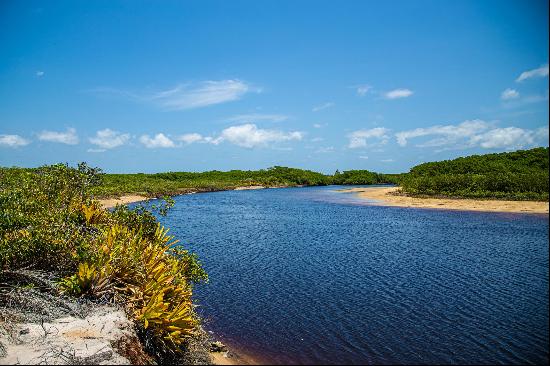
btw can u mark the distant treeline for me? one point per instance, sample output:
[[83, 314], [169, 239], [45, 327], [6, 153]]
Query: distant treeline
[[519, 175], [277, 176], [351, 177]]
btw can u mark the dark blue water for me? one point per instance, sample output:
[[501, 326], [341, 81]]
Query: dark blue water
[[308, 275]]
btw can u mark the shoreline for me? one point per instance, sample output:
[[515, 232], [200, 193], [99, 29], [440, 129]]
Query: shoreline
[[124, 199], [386, 196]]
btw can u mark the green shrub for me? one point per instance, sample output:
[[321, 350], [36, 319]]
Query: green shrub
[[50, 221], [519, 175]]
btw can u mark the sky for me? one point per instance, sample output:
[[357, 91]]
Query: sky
[[152, 86]]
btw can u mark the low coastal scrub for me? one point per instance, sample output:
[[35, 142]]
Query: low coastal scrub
[[519, 175], [182, 182], [359, 177], [49, 221]]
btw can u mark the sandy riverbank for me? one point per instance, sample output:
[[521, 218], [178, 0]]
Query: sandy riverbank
[[387, 196], [122, 200], [131, 198]]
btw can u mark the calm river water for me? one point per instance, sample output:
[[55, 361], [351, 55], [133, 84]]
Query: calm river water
[[310, 275]]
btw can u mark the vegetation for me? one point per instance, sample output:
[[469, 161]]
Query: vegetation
[[519, 175], [351, 177], [49, 221], [183, 182]]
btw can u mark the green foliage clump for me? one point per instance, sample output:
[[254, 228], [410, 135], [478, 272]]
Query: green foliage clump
[[353, 177], [50, 221], [41, 218], [170, 183], [519, 175]]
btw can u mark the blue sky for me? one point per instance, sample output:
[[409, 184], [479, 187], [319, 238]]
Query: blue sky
[[148, 86]]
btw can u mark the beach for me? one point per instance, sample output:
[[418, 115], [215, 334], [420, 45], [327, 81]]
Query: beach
[[122, 200], [389, 196]]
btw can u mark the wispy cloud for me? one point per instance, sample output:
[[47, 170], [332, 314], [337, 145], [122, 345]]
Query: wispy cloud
[[475, 133], [188, 96], [448, 134], [387, 160], [359, 138], [202, 95], [68, 137], [508, 94], [109, 139], [13, 141], [398, 93], [521, 101], [510, 138], [39, 73], [325, 150], [257, 117], [362, 90], [323, 106], [364, 157], [160, 140], [540, 72], [249, 136]]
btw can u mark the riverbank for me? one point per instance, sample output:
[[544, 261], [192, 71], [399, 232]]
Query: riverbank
[[111, 202], [390, 196]]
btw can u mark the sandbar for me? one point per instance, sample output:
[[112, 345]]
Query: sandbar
[[390, 196]]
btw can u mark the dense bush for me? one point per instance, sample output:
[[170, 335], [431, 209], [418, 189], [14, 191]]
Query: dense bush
[[50, 221], [519, 175], [181, 182], [351, 177]]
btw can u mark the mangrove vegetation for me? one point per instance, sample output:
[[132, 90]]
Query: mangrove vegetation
[[519, 175]]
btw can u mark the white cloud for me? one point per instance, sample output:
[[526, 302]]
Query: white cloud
[[358, 139], [510, 138], [398, 93], [96, 150], [509, 94], [204, 94], [476, 133], [362, 90], [448, 134], [525, 100], [364, 157], [190, 138], [159, 141], [317, 139], [387, 160], [186, 96], [541, 72], [39, 74], [249, 136], [323, 106], [69, 137], [109, 139], [212, 140], [13, 141], [255, 117]]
